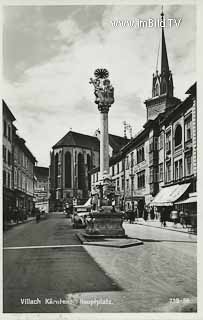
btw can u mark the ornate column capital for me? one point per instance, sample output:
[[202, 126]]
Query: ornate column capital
[[103, 108]]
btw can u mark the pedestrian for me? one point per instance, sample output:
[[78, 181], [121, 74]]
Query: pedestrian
[[163, 217], [37, 212], [152, 215], [145, 215]]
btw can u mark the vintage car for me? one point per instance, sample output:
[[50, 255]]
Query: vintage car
[[80, 215]]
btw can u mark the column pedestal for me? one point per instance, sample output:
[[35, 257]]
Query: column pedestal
[[106, 223]]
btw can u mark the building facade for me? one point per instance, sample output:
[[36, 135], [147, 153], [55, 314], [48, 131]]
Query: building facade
[[72, 159], [18, 170], [8, 195], [24, 163], [41, 188]]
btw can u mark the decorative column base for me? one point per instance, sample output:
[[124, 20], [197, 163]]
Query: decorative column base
[[106, 224]]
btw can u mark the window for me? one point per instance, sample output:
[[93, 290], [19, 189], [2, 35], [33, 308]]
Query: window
[[151, 172], [9, 158], [188, 129], [122, 183], [118, 184], [9, 133], [178, 169], [117, 167], [127, 184], [156, 143], [178, 135], [188, 165], [4, 153], [93, 178], [97, 176], [5, 129], [123, 165], [153, 144], [132, 159], [127, 162], [9, 179], [141, 179], [157, 92], [68, 170], [15, 176], [140, 154], [168, 142], [168, 171], [113, 170], [164, 86], [4, 178], [161, 172], [161, 141]]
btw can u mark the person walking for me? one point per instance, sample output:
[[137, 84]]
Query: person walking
[[145, 215], [163, 217]]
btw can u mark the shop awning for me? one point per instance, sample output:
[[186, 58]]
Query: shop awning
[[188, 200], [168, 195]]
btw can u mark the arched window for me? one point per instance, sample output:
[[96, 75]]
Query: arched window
[[157, 92], [68, 171], [88, 169], [81, 171], [178, 135], [56, 170], [164, 86]]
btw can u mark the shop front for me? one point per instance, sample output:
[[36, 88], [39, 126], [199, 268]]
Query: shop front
[[165, 200]]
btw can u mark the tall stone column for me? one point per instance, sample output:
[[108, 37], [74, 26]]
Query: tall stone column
[[106, 222], [104, 141]]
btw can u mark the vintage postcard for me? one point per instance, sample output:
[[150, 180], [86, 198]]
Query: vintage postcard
[[99, 160]]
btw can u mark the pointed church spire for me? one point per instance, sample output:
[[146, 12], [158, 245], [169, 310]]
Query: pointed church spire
[[162, 83], [164, 57]]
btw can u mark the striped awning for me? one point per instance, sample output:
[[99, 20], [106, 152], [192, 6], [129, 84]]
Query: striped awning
[[168, 195]]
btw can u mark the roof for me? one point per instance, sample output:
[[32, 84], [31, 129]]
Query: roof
[[117, 142], [90, 142], [21, 143], [41, 171], [192, 90], [8, 111], [76, 139]]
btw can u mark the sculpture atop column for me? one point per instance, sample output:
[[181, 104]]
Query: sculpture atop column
[[106, 221]]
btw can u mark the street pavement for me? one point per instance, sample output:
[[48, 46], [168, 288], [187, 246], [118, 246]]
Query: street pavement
[[46, 262]]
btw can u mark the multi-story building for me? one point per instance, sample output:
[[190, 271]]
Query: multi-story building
[[72, 158], [160, 162], [177, 154], [41, 187], [23, 169], [8, 195]]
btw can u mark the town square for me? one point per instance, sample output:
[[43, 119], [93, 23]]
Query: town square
[[99, 159]]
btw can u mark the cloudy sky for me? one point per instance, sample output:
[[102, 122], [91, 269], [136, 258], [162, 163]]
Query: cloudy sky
[[50, 52]]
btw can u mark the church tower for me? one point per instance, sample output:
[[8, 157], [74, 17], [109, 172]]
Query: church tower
[[162, 85]]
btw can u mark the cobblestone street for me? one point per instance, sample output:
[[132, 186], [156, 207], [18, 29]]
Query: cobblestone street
[[46, 260]]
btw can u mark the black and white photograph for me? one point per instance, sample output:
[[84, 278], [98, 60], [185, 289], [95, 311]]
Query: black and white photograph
[[99, 159]]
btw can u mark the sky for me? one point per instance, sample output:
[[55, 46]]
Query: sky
[[50, 53]]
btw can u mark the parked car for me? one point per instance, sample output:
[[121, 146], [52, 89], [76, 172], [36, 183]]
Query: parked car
[[79, 216]]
